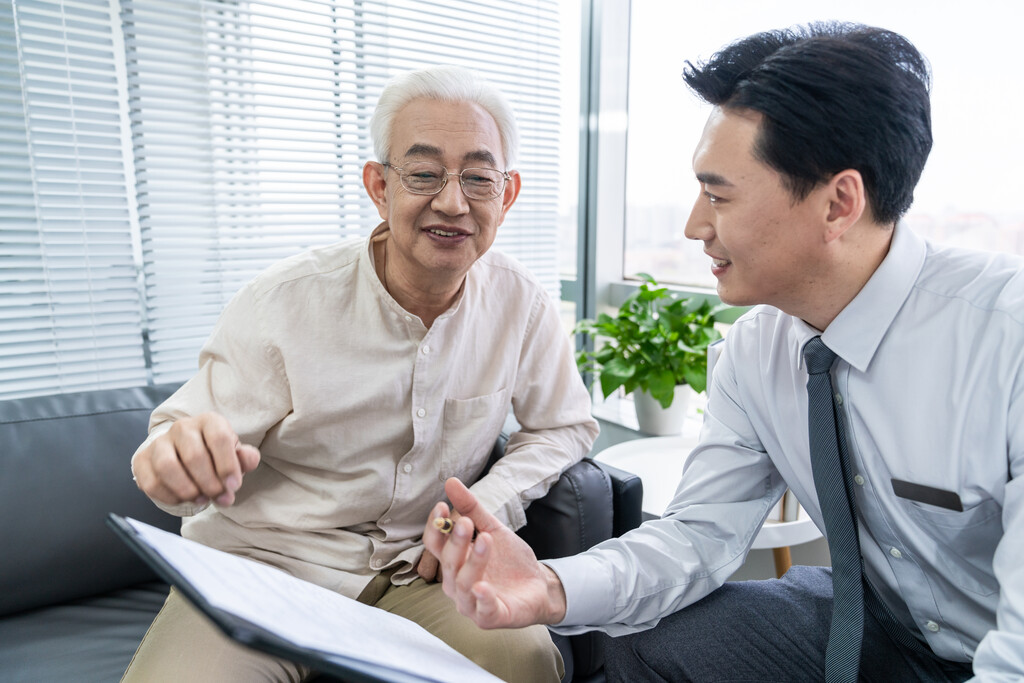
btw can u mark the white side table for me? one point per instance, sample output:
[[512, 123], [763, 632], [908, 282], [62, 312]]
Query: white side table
[[658, 461]]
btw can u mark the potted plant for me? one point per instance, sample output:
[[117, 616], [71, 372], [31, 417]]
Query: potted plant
[[657, 343]]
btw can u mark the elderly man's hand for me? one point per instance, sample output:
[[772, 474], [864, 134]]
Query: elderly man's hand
[[495, 580], [199, 459]]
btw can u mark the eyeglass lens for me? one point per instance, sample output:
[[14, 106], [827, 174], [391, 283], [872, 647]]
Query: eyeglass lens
[[430, 178]]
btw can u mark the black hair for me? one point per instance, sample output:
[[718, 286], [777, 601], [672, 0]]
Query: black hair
[[833, 96]]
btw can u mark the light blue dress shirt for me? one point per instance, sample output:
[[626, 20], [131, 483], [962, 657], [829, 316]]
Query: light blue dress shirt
[[930, 379]]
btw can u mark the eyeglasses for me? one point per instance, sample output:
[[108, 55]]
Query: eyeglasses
[[425, 177]]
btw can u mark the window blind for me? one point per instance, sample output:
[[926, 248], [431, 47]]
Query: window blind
[[249, 129], [69, 296], [158, 154]]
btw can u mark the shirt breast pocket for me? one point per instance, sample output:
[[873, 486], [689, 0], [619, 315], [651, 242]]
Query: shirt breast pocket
[[965, 542], [471, 426]]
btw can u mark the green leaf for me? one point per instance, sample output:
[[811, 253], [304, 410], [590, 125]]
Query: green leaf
[[606, 354], [609, 383], [696, 377], [655, 340], [661, 385], [614, 374]]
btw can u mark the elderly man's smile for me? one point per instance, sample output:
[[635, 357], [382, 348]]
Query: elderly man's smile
[[446, 234]]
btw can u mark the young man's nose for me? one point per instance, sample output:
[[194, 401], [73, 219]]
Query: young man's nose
[[698, 225]]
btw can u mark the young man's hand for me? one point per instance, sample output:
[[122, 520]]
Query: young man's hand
[[495, 580]]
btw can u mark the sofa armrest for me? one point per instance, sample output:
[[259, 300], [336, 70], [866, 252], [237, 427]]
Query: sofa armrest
[[576, 513], [627, 498]]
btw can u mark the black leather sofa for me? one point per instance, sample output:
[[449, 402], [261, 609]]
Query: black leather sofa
[[75, 602]]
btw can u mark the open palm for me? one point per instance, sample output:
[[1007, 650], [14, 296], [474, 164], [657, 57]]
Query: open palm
[[495, 579]]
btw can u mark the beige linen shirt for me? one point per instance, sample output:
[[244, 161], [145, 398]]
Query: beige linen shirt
[[360, 412]]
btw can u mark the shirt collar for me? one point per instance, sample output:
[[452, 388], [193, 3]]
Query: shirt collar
[[857, 331], [368, 262]]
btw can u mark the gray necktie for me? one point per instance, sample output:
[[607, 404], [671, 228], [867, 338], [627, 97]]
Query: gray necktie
[[833, 474], [830, 465]]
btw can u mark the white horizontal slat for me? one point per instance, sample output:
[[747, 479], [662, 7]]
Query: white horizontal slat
[[44, 381], [248, 135], [70, 311]]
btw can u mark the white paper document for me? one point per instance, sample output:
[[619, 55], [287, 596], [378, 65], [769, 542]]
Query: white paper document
[[308, 615]]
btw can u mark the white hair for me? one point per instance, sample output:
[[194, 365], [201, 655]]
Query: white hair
[[447, 84]]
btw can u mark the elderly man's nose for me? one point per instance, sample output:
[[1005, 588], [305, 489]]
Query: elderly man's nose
[[451, 199]]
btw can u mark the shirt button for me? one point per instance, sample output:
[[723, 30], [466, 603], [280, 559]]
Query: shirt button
[[426, 349], [932, 626], [859, 479], [408, 318], [407, 468], [377, 564], [895, 552], [386, 521], [839, 399], [421, 412]]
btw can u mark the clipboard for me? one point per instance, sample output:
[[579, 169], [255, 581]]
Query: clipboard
[[343, 667]]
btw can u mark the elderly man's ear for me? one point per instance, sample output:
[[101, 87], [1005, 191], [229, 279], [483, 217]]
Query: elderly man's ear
[[508, 197], [375, 181]]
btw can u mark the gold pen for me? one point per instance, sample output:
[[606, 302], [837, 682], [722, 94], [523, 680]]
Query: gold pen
[[444, 524]]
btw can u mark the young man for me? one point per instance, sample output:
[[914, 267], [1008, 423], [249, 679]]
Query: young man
[[882, 381], [342, 387]]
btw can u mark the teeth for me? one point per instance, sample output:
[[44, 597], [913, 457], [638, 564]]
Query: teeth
[[443, 233], [719, 263]]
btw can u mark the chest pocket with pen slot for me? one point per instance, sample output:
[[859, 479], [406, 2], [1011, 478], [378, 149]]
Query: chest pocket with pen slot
[[966, 541], [470, 428]]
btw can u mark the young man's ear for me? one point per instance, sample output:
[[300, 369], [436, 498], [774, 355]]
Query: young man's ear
[[846, 202], [375, 180]]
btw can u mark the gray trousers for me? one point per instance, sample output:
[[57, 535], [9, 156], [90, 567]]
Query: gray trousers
[[774, 630]]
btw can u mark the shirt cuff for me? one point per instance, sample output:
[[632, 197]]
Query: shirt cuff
[[589, 593], [181, 509]]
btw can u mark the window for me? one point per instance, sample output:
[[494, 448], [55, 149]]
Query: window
[[70, 315], [572, 29], [967, 195], [164, 153]]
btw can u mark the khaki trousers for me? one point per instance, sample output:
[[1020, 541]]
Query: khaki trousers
[[183, 645]]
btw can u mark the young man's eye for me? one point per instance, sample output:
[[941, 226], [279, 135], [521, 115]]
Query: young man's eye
[[713, 199]]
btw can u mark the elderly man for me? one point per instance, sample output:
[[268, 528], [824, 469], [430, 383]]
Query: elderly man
[[343, 386], [882, 381]]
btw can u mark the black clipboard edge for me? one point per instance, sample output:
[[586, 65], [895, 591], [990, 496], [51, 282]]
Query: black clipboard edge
[[256, 637]]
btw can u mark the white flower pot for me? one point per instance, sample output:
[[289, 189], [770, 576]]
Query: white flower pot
[[658, 421]]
